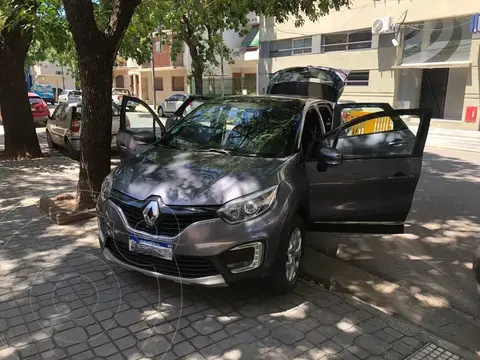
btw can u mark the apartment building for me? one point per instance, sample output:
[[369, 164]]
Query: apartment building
[[47, 73], [172, 76], [409, 53]]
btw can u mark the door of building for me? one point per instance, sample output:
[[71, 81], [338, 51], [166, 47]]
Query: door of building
[[434, 91]]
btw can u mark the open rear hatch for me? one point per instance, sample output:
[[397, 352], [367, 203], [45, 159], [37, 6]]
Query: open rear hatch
[[312, 81]]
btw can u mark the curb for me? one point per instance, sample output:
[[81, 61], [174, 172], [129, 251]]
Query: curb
[[452, 148], [337, 276]]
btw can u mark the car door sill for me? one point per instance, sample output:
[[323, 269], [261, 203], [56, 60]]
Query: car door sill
[[369, 227]]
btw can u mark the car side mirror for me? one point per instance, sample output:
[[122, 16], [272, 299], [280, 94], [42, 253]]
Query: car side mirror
[[328, 156]]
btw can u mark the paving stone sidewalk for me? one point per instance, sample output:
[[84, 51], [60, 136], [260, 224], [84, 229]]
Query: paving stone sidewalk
[[60, 299]]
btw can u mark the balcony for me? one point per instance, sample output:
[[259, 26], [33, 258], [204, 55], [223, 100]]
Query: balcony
[[163, 59]]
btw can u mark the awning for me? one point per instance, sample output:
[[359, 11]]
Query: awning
[[252, 39], [435, 65]]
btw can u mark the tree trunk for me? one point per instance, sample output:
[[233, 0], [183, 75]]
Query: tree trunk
[[198, 81], [96, 51], [21, 139], [96, 135], [197, 68]]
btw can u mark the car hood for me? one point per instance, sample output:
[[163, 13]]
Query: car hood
[[194, 178], [313, 81]]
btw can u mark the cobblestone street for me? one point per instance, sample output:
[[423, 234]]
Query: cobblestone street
[[60, 299]]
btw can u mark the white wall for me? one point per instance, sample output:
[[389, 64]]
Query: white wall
[[408, 86], [457, 81]]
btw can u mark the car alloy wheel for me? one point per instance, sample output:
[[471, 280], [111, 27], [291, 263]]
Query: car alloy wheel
[[294, 253], [72, 153], [288, 259]]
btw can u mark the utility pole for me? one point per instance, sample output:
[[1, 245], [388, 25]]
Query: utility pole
[[222, 83], [63, 77], [153, 76]]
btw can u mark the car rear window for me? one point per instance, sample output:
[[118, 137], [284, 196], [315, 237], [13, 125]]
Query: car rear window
[[75, 93], [35, 100]]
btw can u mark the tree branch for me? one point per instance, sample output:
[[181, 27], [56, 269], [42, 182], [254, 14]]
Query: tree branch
[[122, 12], [81, 20]]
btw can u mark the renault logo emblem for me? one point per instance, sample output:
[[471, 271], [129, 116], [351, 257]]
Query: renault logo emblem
[[151, 212]]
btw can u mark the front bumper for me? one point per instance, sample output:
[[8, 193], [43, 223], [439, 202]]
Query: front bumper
[[207, 244], [213, 281]]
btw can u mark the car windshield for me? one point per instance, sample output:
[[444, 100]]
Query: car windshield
[[34, 100], [259, 127]]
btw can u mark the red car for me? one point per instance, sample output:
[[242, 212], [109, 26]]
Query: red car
[[39, 108]]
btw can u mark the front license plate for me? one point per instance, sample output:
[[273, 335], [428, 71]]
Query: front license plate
[[152, 248]]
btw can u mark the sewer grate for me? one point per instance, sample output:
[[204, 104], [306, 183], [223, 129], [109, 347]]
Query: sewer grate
[[431, 352]]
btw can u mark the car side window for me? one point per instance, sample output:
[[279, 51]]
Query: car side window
[[58, 112], [312, 130], [65, 117], [327, 116], [377, 137]]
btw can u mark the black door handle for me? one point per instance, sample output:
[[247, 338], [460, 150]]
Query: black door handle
[[397, 142]]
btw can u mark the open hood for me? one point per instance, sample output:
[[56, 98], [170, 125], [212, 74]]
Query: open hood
[[312, 81]]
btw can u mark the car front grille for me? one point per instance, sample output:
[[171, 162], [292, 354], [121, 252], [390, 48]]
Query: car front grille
[[172, 222], [180, 266]]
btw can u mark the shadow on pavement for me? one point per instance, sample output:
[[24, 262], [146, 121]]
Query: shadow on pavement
[[433, 259], [59, 298]]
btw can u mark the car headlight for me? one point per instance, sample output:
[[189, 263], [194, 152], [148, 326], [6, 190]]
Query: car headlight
[[248, 207], [106, 187]]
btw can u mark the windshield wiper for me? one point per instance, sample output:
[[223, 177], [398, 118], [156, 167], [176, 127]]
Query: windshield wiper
[[217, 150]]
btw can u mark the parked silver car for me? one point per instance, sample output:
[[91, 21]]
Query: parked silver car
[[229, 192], [69, 95], [64, 127], [171, 104]]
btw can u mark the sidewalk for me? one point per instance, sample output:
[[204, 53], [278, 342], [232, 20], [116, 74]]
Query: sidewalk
[[465, 140], [60, 299]]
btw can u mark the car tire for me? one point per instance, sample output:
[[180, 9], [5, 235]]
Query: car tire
[[160, 112], [289, 258], [72, 153], [50, 143]]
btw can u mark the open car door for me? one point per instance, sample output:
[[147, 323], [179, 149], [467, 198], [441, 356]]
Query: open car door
[[363, 173], [139, 127]]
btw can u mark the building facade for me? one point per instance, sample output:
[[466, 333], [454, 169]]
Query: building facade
[[172, 76], [47, 73], [428, 57]]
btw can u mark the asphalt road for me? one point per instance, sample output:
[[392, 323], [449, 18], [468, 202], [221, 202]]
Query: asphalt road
[[434, 256]]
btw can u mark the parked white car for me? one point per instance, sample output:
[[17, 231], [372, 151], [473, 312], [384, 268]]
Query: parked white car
[[64, 127], [117, 96], [69, 95]]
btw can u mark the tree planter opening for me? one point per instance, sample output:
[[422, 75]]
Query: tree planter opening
[[61, 209]]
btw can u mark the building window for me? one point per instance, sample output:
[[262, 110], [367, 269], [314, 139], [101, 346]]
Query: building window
[[159, 83], [291, 47], [358, 78], [178, 83], [347, 41], [302, 46]]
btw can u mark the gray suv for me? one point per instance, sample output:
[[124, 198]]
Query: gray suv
[[229, 192]]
